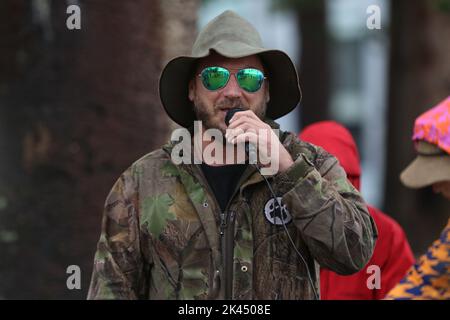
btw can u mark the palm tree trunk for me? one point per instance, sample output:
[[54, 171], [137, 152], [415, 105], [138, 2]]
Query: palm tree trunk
[[77, 108]]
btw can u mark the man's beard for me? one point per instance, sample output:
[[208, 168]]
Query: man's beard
[[210, 118]]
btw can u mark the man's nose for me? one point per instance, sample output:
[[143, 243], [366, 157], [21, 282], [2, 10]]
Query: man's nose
[[232, 89]]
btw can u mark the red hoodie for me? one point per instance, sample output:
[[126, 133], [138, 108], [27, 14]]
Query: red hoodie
[[392, 252]]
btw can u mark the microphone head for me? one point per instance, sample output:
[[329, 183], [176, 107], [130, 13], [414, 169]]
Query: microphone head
[[230, 114]]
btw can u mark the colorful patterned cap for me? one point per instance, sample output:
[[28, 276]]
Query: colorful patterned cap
[[433, 126], [432, 142]]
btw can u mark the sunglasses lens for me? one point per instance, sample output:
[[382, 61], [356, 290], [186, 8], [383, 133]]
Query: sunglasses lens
[[214, 78], [250, 79]]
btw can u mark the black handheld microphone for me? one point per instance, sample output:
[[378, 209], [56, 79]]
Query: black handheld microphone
[[230, 114], [250, 149]]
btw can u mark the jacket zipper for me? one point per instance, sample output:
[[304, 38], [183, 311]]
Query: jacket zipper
[[227, 240], [223, 228], [227, 243]]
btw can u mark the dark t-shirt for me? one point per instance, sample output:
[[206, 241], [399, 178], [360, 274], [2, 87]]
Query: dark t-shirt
[[223, 180]]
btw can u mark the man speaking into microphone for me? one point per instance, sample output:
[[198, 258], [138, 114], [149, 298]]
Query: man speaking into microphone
[[224, 229]]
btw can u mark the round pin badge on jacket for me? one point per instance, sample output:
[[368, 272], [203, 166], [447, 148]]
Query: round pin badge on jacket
[[274, 215]]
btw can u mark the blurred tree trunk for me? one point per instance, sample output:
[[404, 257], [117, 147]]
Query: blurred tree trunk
[[77, 108], [314, 64], [420, 78]]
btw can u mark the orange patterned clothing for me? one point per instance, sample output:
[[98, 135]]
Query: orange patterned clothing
[[430, 277]]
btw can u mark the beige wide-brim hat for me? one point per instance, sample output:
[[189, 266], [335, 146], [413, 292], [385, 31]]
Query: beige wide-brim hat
[[233, 37], [431, 165]]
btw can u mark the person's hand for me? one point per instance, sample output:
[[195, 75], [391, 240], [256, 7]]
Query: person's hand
[[246, 126]]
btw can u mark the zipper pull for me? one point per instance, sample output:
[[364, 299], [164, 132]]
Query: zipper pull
[[223, 223]]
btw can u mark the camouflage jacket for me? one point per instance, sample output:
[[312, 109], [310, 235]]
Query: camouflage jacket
[[165, 237]]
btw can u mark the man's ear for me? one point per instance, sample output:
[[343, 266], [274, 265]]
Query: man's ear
[[267, 93], [191, 90]]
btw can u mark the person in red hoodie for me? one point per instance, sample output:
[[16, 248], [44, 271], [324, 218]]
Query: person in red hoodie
[[392, 253]]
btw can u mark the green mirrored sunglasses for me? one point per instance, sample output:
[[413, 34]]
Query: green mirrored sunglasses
[[215, 78]]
